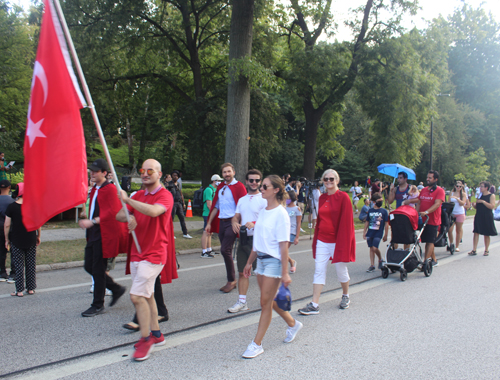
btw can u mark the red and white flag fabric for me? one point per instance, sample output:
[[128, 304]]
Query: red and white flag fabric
[[55, 161]]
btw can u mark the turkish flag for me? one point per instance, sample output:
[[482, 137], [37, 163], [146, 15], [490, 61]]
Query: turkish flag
[[55, 165]]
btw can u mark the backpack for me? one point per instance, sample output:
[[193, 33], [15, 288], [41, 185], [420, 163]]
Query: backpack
[[198, 198]]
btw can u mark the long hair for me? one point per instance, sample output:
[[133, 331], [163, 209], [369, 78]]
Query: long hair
[[461, 189], [278, 183]]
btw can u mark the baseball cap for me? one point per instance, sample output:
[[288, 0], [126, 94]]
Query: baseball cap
[[216, 177], [99, 164], [4, 184], [284, 298]]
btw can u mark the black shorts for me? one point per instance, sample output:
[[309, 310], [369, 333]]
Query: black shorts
[[429, 234], [243, 253]]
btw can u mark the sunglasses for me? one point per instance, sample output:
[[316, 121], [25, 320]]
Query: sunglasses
[[149, 171], [251, 180], [223, 189], [328, 179], [265, 187]]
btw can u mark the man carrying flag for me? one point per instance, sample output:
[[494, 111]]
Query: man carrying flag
[[54, 140]]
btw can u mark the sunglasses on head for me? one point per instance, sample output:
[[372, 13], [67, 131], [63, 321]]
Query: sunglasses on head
[[149, 171], [265, 187], [251, 180], [331, 179]]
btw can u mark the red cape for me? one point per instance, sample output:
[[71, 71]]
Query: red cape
[[238, 190], [169, 271], [343, 220], [113, 233]]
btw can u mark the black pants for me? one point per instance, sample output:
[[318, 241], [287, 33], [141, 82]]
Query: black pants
[[95, 265], [160, 303], [3, 254], [179, 211]]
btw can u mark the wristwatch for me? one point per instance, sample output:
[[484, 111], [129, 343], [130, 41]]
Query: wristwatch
[[94, 221]]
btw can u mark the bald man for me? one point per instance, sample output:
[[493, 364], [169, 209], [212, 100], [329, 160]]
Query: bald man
[[149, 211]]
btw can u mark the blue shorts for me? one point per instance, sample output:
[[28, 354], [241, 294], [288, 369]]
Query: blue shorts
[[205, 220], [269, 267], [292, 238], [373, 241]]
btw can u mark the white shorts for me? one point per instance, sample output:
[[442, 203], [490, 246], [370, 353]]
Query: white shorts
[[144, 276]]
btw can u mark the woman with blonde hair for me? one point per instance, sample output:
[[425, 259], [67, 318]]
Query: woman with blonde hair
[[459, 198], [270, 248], [333, 240]]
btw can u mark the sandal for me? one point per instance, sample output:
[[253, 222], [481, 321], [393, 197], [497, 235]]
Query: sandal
[[17, 294], [486, 253], [30, 292], [472, 253], [131, 326]]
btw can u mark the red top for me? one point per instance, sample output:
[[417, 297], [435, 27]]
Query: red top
[[341, 218], [327, 232], [427, 199], [238, 190], [114, 235], [152, 233]]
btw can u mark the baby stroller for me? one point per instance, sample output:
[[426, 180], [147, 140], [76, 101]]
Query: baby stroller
[[447, 221], [404, 227]]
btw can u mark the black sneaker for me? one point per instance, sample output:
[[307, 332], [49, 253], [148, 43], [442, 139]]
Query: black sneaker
[[93, 311], [11, 280], [214, 252], [207, 255], [117, 295], [435, 263], [309, 309]]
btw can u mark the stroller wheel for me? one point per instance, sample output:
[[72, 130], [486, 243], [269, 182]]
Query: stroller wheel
[[428, 267], [385, 272], [404, 275]]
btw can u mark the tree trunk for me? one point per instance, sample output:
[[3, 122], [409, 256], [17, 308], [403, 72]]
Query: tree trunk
[[313, 117], [130, 143], [238, 95]]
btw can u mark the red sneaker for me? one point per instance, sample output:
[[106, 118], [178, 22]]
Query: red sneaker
[[157, 341], [143, 348]]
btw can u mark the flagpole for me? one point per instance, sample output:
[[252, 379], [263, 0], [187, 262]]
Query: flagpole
[[90, 105]]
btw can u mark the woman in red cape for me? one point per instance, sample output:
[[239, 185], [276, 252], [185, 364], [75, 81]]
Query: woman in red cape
[[333, 240]]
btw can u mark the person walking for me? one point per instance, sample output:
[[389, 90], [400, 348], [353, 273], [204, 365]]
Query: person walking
[[106, 238], [208, 196], [22, 244], [400, 192], [247, 212], [223, 209], [151, 220], [175, 188], [484, 223], [270, 248], [429, 206], [333, 240], [295, 218], [5, 201], [376, 228], [357, 192], [458, 197]]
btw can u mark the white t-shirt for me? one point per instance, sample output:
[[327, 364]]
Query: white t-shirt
[[272, 227], [249, 207], [355, 190]]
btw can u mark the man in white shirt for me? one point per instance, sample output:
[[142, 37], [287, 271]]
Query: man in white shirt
[[222, 211], [247, 211], [356, 193]]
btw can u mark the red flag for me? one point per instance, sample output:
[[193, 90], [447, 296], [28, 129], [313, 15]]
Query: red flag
[[55, 166]]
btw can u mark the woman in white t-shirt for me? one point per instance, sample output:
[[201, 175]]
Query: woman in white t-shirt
[[270, 248], [459, 199]]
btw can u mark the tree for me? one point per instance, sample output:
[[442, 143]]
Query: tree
[[475, 169]]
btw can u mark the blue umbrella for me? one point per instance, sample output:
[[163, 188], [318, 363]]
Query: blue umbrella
[[393, 170]]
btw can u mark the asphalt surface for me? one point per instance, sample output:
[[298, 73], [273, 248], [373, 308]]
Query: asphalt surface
[[444, 326]]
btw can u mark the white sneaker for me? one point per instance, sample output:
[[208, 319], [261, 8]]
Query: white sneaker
[[302, 230], [109, 292], [187, 236], [92, 289], [238, 306], [310, 225], [252, 351], [291, 332]]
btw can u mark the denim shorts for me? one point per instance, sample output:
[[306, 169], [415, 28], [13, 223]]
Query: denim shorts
[[292, 238], [373, 241], [205, 220], [269, 267]]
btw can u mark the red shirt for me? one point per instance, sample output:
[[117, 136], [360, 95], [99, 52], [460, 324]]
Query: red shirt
[[152, 232], [326, 232], [427, 199]]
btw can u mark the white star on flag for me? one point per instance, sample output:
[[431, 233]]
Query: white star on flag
[[34, 131]]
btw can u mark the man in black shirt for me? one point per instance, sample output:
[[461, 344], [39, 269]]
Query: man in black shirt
[[179, 204], [5, 200]]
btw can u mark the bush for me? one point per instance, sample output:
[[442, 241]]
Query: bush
[[16, 178]]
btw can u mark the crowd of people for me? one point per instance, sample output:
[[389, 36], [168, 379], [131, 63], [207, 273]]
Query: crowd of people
[[265, 213]]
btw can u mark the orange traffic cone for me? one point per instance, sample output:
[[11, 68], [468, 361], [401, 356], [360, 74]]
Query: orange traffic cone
[[189, 212]]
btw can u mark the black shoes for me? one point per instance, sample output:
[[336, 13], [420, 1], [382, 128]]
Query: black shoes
[[117, 295], [93, 311]]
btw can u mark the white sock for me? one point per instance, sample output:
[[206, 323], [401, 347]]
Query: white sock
[[204, 251], [243, 298], [209, 249], [315, 304], [347, 295]]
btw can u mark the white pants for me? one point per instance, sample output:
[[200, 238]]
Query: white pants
[[324, 253]]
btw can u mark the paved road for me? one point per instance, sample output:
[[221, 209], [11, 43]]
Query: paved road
[[444, 326]]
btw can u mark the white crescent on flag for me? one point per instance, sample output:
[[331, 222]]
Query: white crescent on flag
[[33, 130]]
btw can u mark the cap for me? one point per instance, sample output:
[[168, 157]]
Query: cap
[[19, 191], [216, 177], [4, 184], [99, 164], [284, 298]]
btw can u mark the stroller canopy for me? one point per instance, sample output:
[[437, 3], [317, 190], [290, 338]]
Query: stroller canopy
[[410, 212]]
